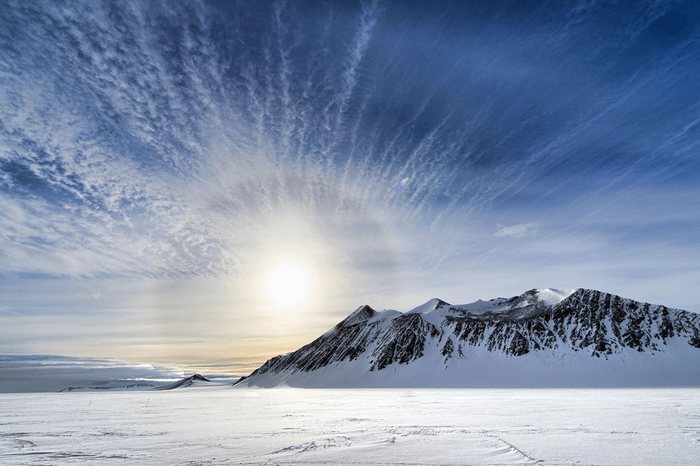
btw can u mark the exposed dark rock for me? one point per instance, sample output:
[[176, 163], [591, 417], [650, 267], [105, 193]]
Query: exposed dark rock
[[448, 349], [404, 342], [518, 345], [695, 341]]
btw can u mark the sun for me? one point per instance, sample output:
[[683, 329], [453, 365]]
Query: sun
[[288, 284]]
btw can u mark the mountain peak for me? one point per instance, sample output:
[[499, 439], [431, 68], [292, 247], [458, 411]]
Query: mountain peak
[[553, 296], [359, 315], [429, 306]]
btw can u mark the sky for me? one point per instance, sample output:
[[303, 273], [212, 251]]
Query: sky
[[209, 184]]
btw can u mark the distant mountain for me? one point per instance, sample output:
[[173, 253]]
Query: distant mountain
[[115, 386], [192, 380], [540, 338]]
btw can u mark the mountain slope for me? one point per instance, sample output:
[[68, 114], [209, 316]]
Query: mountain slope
[[539, 338]]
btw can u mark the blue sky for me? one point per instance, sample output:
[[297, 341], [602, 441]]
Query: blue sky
[[157, 158]]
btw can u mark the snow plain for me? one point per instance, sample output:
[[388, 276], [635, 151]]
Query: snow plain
[[223, 425]]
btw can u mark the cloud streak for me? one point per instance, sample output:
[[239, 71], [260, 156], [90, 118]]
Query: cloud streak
[[518, 230]]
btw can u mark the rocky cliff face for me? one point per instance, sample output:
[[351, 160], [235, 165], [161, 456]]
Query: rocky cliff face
[[589, 322]]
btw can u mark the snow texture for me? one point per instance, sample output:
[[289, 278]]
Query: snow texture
[[224, 426]]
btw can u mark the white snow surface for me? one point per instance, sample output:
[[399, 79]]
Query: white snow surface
[[225, 426], [553, 296], [426, 307]]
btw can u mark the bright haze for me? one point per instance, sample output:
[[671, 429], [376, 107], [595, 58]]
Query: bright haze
[[208, 184]]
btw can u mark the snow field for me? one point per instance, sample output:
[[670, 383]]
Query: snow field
[[368, 426]]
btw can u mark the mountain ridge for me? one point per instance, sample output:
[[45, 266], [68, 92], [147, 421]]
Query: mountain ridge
[[451, 342]]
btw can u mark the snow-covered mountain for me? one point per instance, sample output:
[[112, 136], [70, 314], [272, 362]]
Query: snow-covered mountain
[[195, 380], [540, 338]]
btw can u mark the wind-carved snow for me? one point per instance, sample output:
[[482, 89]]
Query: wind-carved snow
[[225, 426], [543, 337]]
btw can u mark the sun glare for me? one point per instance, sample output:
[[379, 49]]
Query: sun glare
[[288, 284]]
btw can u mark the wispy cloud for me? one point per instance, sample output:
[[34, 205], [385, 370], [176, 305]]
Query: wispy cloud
[[518, 230]]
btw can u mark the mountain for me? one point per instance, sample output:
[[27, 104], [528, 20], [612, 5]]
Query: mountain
[[541, 338], [191, 381]]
